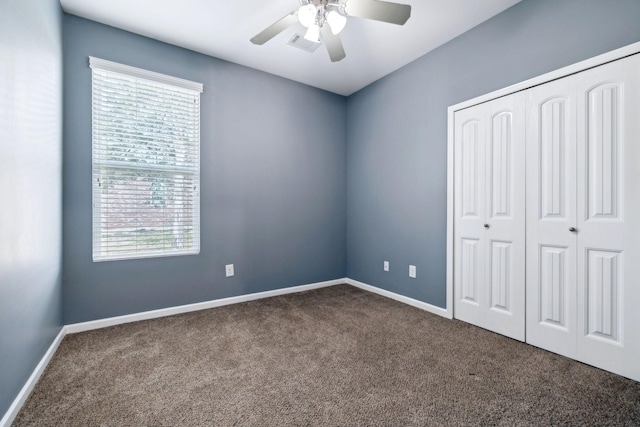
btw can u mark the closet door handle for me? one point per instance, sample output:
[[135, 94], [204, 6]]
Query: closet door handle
[[573, 229], [486, 226]]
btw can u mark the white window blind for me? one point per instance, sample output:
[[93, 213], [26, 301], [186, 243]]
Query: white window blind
[[146, 163]]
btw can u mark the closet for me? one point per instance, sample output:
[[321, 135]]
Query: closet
[[546, 215]]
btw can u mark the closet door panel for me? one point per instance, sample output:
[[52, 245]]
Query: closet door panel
[[608, 215], [489, 211], [553, 294], [603, 294], [471, 271], [500, 178], [604, 150], [551, 214], [505, 216], [469, 265]]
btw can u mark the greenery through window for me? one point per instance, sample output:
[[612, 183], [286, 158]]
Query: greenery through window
[[146, 163]]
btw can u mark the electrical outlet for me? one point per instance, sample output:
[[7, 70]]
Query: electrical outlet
[[386, 266], [412, 271], [228, 269]]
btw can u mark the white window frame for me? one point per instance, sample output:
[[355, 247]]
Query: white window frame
[[98, 163]]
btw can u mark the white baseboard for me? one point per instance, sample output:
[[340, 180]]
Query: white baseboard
[[163, 312], [15, 407], [406, 300], [112, 321]]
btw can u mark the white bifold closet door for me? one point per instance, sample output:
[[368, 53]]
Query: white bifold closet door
[[583, 216], [489, 228], [551, 216]]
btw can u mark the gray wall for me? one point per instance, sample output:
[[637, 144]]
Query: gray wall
[[273, 175], [30, 187], [272, 183], [397, 130]]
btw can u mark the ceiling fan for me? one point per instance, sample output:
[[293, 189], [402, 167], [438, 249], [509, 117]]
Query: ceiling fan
[[325, 19]]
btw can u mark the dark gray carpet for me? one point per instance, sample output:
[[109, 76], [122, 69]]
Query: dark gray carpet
[[331, 357]]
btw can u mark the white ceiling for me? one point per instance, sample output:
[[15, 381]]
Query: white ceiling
[[222, 28]]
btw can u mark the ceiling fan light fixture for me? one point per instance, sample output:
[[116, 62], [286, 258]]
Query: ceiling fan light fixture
[[313, 34], [336, 21], [307, 15], [329, 17]]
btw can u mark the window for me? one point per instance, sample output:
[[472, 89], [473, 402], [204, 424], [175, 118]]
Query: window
[[146, 163]]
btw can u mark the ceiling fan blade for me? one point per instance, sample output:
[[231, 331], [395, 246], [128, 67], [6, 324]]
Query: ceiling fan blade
[[275, 29], [333, 44], [393, 13]]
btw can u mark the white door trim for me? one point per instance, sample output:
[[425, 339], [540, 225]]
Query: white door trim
[[562, 72]]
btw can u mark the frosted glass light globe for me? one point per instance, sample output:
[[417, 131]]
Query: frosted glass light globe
[[336, 21], [307, 15], [313, 34]]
